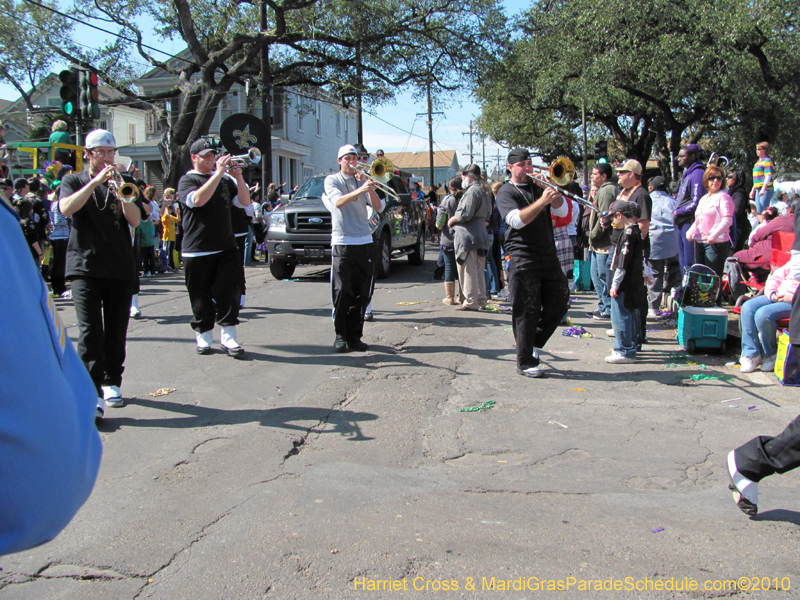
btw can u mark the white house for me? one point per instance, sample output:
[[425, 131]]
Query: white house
[[306, 131]]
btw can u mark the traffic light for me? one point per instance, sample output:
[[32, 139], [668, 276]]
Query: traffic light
[[601, 151], [89, 96], [70, 90]]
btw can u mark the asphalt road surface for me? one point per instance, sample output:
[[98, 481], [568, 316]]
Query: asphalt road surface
[[299, 473]]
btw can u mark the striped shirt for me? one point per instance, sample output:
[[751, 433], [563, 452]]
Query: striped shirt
[[761, 169]]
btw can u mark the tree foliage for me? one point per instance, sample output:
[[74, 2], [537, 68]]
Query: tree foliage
[[346, 48], [654, 74]]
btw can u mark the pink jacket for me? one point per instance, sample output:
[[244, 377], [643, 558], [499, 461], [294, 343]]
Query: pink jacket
[[781, 282], [712, 219]]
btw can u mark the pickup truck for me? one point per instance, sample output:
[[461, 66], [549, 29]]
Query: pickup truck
[[300, 230]]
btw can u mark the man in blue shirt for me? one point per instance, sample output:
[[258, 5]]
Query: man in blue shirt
[[49, 445]]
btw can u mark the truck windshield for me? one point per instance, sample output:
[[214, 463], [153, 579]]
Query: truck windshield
[[313, 188]]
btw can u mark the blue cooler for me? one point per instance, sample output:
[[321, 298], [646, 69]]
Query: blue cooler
[[582, 274], [700, 328]]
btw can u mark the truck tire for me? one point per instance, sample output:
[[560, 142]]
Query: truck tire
[[281, 269], [417, 256], [384, 256]]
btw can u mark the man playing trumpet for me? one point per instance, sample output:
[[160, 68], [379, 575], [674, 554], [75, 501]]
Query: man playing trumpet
[[537, 286], [101, 265], [212, 265]]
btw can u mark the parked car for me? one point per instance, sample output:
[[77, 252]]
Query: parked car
[[300, 230]]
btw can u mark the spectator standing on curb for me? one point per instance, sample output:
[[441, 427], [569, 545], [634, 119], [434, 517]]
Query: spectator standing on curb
[[689, 194]]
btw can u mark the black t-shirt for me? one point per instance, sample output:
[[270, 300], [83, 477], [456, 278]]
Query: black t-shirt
[[207, 228], [645, 208], [239, 220], [100, 239], [629, 256], [532, 248]]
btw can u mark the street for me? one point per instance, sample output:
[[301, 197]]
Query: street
[[299, 473]]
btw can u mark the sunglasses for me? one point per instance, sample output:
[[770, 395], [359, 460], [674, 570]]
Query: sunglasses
[[715, 178]]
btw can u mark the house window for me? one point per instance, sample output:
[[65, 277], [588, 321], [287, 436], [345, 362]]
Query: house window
[[319, 118], [54, 102], [300, 114], [308, 172], [102, 125], [338, 124], [229, 105], [277, 108], [131, 133], [346, 128]]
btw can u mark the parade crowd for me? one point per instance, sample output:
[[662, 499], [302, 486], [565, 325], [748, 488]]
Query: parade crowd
[[516, 239]]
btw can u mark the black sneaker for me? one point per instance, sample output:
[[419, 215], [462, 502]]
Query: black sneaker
[[368, 317], [235, 352], [593, 315], [358, 345], [340, 345], [598, 316]]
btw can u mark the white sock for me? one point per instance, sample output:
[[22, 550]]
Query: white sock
[[135, 301], [228, 337], [241, 303], [747, 488], [205, 339]]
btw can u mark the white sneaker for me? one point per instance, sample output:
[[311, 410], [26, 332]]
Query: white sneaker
[[113, 396], [617, 358], [652, 314], [750, 363], [67, 295], [769, 363], [610, 333], [135, 312], [530, 372]]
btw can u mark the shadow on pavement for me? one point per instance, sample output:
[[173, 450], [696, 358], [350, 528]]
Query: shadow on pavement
[[345, 422], [779, 514]]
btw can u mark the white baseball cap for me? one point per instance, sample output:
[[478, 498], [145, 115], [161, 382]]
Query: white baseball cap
[[100, 137], [347, 149]]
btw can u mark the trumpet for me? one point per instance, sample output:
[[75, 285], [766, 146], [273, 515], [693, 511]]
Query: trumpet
[[125, 191], [561, 173], [253, 157], [381, 172]]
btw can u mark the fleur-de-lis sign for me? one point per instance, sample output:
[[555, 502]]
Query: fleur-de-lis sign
[[244, 139]]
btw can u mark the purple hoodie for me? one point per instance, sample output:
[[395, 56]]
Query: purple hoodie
[[690, 192]]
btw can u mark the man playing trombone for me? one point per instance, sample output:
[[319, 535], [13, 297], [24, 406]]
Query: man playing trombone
[[537, 286], [352, 247], [100, 263], [212, 264]]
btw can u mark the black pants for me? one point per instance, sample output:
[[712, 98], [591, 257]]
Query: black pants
[[149, 259], [103, 309], [352, 270], [539, 301], [58, 264], [241, 241], [763, 456], [213, 285]]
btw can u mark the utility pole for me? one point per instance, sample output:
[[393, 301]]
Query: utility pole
[[471, 160], [266, 104], [429, 122], [483, 144], [359, 125], [585, 151]]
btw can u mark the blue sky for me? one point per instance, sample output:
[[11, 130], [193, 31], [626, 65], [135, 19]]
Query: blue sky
[[395, 127]]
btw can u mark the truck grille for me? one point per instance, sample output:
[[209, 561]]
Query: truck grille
[[309, 222]]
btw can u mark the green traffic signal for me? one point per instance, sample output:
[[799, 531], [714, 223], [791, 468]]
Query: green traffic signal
[[68, 108]]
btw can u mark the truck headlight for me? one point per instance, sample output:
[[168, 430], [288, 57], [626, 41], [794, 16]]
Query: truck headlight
[[277, 220]]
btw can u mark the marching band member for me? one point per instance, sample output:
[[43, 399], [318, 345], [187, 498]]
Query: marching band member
[[353, 249], [101, 265], [213, 267], [537, 286]]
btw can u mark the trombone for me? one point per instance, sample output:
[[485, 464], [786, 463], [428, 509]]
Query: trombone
[[561, 173], [381, 172]]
